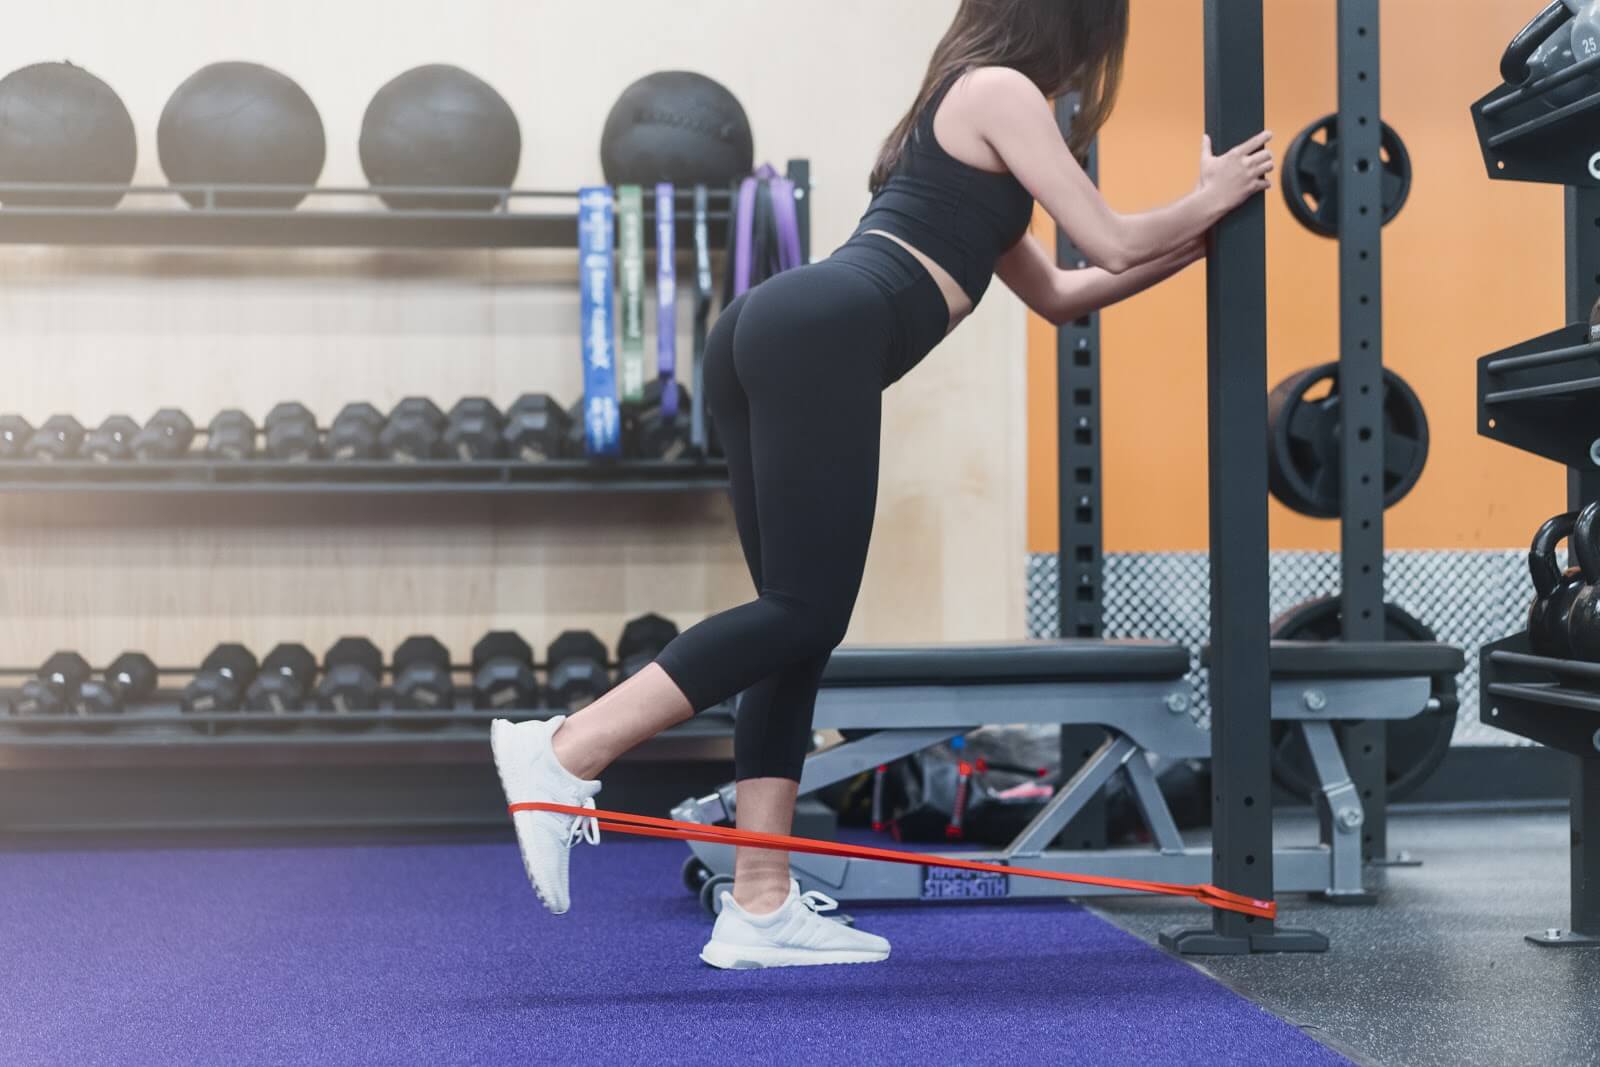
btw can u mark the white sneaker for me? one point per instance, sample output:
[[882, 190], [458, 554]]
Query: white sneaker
[[530, 773], [796, 935]]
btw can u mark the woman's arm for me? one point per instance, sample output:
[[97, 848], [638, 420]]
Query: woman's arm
[[1016, 122], [1063, 295]]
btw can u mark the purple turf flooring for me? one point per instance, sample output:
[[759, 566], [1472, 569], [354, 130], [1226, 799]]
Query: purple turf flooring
[[440, 954]]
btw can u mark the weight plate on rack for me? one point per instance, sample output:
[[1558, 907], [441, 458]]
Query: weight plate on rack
[[1414, 748], [1311, 175], [1303, 460]]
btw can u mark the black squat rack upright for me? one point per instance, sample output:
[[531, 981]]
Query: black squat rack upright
[[1537, 396]]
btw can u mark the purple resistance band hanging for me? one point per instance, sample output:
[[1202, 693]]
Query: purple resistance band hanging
[[667, 297], [785, 221]]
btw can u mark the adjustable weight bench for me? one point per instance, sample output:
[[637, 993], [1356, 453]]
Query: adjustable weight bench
[[913, 697]]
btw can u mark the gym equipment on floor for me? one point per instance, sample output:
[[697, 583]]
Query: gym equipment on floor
[[221, 682], [55, 687], [112, 440], [438, 125], [537, 428], [351, 669], [895, 701], [474, 430], [1311, 175], [231, 437], [676, 126], [167, 435], [577, 666], [59, 438], [241, 124], [502, 672], [15, 433], [354, 433], [1303, 453], [59, 123], [291, 433], [422, 678], [641, 642], [414, 431], [284, 684], [1554, 589], [130, 678]]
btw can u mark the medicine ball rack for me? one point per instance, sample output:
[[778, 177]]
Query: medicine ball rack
[[1538, 396]]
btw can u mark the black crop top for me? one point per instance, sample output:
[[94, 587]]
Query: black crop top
[[961, 217]]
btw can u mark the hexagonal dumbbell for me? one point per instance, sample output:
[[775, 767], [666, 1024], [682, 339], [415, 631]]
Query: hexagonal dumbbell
[[422, 679], [112, 440], [641, 642], [59, 438], [292, 433], [54, 688], [167, 435], [576, 446], [220, 683], [283, 686], [351, 672], [536, 428], [130, 679], [15, 433], [414, 432], [474, 430], [502, 672], [657, 435], [578, 673], [354, 433], [231, 436]]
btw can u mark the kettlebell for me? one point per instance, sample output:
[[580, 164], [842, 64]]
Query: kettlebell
[[1554, 589], [1583, 621]]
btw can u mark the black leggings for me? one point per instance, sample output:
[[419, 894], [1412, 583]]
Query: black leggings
[[794, 373]]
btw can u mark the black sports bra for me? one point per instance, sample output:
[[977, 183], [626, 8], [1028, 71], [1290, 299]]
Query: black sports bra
[[961, 217]]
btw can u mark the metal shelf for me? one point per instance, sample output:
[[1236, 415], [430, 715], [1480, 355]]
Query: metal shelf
[[1539, 395], [1555, 702], [1524, 138], [482, 477]]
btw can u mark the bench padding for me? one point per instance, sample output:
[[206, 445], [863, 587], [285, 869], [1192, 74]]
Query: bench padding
[[1001, 663]]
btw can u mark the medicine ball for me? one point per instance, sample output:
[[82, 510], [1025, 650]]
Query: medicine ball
[[59, 123], [440, 125], [241, 123], [676, 126]]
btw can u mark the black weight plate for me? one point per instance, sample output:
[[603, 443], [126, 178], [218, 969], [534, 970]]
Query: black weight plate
[[1414, 747], [1303, 459], [1311, 175]]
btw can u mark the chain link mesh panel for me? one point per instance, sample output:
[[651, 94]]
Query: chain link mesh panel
[[1466, 598]]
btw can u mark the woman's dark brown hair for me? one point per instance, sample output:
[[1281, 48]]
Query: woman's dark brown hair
[[1062, 46]]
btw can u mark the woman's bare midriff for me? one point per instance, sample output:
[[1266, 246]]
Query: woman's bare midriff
[[954, 296]]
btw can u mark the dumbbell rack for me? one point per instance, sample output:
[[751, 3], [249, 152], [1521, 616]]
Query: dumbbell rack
[[1538, 396]]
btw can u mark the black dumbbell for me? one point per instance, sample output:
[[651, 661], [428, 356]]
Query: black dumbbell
[[655, 434], [578, 673], [15, 433], [283, 685], [577, 441], [231, 436], [642, 641], [351, 672], [502, 672], [536, 428], [112, 440], [167, 435], [474, 430], [220, 684], [59, 438], [130, 679], [55, 687], [292, 433], [414, 432], [422, 679], [354, 433]]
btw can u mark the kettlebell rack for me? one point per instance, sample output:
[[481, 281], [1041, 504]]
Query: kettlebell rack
[[1537, 396]]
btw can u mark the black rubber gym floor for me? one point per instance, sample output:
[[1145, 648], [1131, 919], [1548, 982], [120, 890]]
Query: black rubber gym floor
[[1437, 973]]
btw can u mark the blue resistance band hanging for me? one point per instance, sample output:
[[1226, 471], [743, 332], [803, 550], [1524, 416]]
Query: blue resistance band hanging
[[596, 250]]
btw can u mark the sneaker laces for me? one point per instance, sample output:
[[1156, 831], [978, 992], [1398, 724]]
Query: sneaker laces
[[585, 829]]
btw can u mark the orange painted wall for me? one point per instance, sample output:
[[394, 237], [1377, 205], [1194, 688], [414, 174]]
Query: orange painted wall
[[1469, 266]]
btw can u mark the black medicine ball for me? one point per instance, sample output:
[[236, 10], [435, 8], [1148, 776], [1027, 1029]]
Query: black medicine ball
[[59, 123], [676, 126]]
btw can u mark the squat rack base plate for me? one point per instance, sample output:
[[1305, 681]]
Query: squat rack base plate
[[1563, 939], [1204, 941]]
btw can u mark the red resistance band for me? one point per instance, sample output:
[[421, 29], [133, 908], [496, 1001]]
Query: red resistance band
[[645, 826]]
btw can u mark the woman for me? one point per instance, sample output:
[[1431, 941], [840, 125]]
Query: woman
[[794, 373]]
